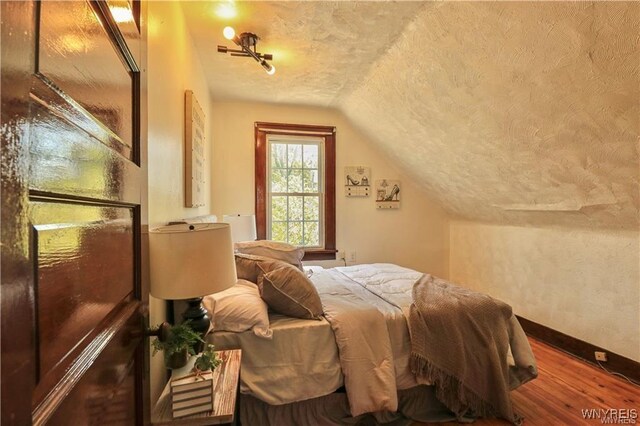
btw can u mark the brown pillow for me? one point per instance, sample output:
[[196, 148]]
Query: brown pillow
[[288, 291], [272, 249], [250, 267]]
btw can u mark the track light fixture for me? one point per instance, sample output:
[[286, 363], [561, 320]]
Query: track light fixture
[[247, 43]]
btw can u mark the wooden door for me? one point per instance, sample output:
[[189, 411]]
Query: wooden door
[[73, 190]]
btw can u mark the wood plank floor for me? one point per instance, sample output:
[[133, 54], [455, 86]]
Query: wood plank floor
[[564, 387]]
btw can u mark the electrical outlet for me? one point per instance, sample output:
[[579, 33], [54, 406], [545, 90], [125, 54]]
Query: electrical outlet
[[342, 255], [352, 256], [601, 356]]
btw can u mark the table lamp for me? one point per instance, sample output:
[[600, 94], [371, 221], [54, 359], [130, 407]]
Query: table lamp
[[243, 226], [189, 261]]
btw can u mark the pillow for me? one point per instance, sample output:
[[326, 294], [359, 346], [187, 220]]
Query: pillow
[[239, 309], [274, 250], [249, 267], [288, 291]]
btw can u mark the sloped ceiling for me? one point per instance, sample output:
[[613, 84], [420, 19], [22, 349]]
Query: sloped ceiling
[[518, 112], [523, 113]]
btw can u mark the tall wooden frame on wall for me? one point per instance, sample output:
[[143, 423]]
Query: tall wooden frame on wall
[[193, 151], [328, 133]]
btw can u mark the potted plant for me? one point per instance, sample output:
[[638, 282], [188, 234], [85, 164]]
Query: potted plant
[[177, 343], [207, 361]]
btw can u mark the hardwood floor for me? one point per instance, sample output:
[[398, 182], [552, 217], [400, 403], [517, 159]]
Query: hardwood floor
[[565, 386]]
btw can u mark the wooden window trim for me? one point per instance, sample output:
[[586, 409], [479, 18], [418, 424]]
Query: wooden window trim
[[262, 131]]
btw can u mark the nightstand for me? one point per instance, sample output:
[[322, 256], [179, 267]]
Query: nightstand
[[225, 395]]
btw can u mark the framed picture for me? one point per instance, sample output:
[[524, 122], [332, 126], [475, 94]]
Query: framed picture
[[356, 181], [388, 194], [193, 152]]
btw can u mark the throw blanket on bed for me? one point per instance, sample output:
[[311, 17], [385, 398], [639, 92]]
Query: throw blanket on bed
[[460, 341]]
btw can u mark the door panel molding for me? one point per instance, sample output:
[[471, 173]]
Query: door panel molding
[[124, 33], [83, 363], [77, 53], [63, 107], [85, 264]]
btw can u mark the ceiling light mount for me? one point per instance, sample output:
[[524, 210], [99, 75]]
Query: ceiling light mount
[[247, 43]]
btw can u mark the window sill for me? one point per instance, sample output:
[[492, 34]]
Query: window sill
[[319, 254]]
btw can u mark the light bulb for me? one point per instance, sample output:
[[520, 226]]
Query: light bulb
[[229, 33], [270, 69]]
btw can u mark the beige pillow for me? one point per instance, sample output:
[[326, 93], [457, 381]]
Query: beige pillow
[[238, 309], [272, 249], [250, 267], [289, 292]]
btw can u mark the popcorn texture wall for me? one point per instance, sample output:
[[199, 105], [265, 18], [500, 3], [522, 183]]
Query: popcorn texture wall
[[520, 113], [582, 282]]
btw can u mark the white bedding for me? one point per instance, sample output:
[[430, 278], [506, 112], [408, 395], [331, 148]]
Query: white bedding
[[389, 282], [303, 360], [393, 316], [298, 363]]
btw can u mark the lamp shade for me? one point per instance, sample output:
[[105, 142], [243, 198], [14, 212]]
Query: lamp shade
[[191, 260], [243, 226]]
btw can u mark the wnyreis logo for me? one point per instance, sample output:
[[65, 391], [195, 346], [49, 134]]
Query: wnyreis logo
[[611, 415]]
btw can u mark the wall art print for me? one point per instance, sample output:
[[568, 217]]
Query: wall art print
[[357, 181], [194, 181], [388, 194]]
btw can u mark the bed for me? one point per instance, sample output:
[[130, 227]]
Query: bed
[[354, 363]]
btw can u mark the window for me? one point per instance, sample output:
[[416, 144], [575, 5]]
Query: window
[[295, 190], [295, 186]]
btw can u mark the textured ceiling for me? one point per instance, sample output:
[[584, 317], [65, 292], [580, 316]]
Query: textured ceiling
[[512, 112], [515, 112], [321, 49]]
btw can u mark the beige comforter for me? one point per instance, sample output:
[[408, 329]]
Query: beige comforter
[[366, 331], [364, 348]]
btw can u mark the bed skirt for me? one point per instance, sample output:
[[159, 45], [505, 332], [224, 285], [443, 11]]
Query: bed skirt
[[415, 404]]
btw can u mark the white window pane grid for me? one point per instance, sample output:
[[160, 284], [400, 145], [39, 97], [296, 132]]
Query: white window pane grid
[[295, 219], [295, 200]]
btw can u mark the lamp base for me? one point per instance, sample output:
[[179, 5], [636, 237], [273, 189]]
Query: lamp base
[[199, 318]]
